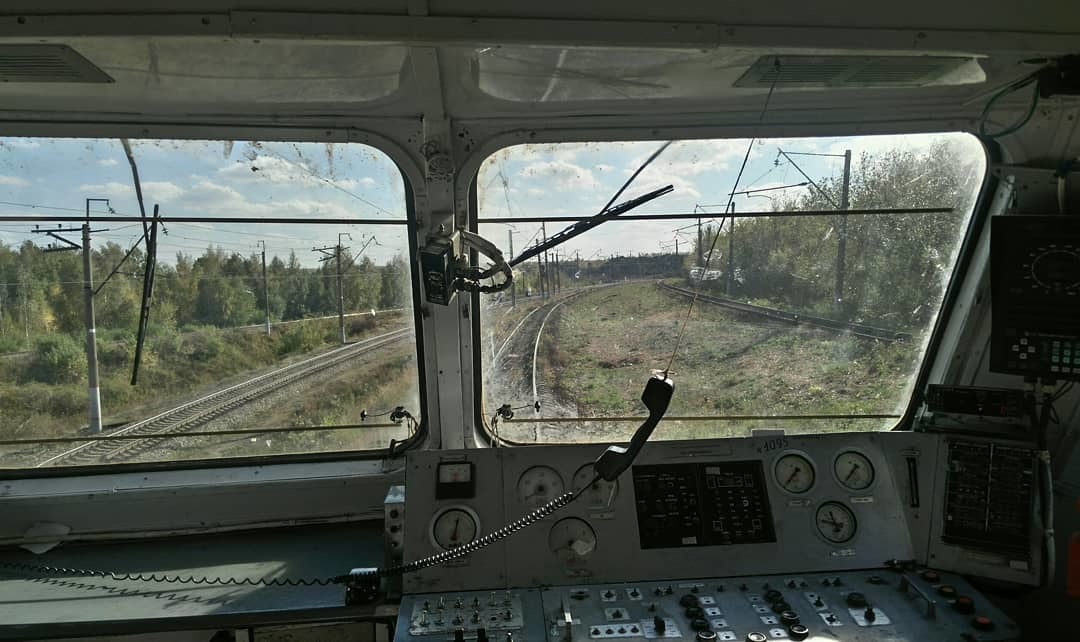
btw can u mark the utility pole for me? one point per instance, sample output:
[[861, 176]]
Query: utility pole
[[841, 249], [547, 260], [558, 277], [540, 274], [513, 284], [266, 286], [93, 387], [730, 252], [334, 253]]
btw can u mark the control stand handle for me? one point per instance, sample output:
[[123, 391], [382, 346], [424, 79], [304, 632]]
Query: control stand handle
[[931, 605]]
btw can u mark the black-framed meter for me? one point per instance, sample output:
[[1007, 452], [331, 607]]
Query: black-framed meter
[[456, 480]]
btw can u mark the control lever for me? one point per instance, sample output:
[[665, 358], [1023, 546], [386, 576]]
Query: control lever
[[616, 459], [931, 605]]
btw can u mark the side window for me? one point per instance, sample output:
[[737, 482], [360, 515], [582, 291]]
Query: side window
[[274, 291]]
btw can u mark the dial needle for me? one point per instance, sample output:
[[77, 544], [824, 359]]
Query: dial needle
[[453, 534], [854, 467], [794, 474]]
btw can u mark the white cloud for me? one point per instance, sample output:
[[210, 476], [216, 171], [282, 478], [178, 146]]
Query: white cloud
[[276, 170], [13, 181], [566, 176], [112, 189], [108, 162], [161, 191], [605, 168]]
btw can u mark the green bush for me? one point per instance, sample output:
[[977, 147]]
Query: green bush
[[299, 337], [58, 358]]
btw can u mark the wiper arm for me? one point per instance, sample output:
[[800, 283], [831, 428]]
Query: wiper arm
[[583, 226]]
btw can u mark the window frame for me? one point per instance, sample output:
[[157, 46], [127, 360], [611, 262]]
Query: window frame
[[980, 213], [48, 485]]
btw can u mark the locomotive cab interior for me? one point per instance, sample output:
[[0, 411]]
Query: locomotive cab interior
[[422, 321]]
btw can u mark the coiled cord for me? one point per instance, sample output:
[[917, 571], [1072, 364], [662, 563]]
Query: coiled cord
[[433, 560]]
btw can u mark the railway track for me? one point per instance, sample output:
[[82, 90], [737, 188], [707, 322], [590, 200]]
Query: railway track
[[858, 329], [205, 409]]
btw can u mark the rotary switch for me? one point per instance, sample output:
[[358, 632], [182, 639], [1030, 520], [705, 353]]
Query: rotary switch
[[798, 631]]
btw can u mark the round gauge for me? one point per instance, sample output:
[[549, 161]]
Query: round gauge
[[854, 470], [453, 527], [835, 522], [600, 494], [539, 485], [794, 473], [572, 540], [1055, 269]]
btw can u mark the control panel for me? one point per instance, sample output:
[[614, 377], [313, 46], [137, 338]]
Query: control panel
[[755, 505], [815, 537], [1035, 296], [866, 605]]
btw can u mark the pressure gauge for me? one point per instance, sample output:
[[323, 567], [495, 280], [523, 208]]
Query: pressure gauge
[[853, 470], [453, 527], [572, 540], [1056, 269], [794, 473], [599, 494], [836, 522], [539, 485]]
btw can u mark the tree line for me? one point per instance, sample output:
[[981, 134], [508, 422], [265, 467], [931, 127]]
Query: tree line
[[42, 292], [895, 267]]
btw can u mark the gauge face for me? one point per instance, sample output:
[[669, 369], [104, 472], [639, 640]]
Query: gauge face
[[539, 485], [600, 494], [794, 473], [836, 522], [453, 527], [572, 540], [854, 470], [1056, 269]]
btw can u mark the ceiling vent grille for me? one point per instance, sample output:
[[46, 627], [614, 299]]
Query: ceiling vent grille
[[849, 71], [47, 63]]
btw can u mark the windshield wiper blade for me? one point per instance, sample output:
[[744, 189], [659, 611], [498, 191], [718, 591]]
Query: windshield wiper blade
[[583, 226]]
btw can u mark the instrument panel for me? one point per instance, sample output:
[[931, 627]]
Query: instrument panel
[[754, 505]]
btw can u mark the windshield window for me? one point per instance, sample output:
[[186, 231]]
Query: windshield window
[[280, 311], [807, 318]]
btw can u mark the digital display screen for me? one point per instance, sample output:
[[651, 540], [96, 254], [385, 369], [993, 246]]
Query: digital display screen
[[710, 504]]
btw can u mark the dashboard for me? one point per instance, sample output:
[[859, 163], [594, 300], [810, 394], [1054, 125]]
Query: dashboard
[[834, 536]]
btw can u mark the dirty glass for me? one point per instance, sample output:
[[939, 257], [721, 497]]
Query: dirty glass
[[817, 289], [279, 318]]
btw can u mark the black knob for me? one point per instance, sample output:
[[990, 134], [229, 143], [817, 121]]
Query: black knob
[[818, 603], [856, 600], [688, 600], [789, 617], [781, 606], [719, 588], [616, 614], [982, 623], [743, 587], [964, 604], [869, 614], [699, 624], [481, 635], [773, 595], [706, 636], [659, 624], [791, 584], [798, 631], [693, 589], [837, 582], [875, 579], [754, 636]]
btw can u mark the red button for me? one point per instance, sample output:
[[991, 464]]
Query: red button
[[930, 576], [982, 623], [964, 604]]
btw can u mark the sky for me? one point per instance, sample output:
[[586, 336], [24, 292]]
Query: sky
[[317, 180], [208, 179], [579, 178]]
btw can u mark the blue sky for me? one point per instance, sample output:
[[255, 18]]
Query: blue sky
[[209, 178], [579, 178], [316, 180]]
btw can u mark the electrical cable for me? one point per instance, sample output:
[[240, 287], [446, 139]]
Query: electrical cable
[[727, 208], [1031, 79]]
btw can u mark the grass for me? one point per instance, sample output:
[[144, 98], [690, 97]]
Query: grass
[[603, 345], [177, 366]]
